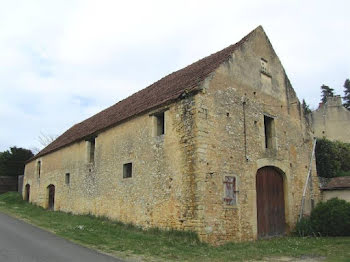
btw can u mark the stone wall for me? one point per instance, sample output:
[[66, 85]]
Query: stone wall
[[177, 178], [20, 183], [230, 141], [159, 192], [332, 121], [341, 194]]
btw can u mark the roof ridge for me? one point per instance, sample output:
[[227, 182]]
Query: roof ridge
[[230, 46], [166, 89]]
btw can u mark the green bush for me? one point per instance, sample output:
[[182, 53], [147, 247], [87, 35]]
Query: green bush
[[332, 158], [331, 218], [303, 227], [344, 155], [343, 173]]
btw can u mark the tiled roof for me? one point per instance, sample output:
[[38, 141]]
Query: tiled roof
[[167, 89], [338, 183]]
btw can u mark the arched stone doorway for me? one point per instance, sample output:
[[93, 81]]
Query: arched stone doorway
[[27, 192], [51, 199], [270, 202]]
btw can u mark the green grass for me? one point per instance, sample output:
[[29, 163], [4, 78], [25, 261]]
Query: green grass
[[127, 240]]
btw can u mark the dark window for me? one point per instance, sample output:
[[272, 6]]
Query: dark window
[[160, 124], [92, 151], [269, 130], [39, 168], [67, 178], [230, 190], [127, 170]]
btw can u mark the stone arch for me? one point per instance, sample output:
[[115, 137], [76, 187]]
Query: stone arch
[[270, 201], [27, 192], [51, 197]]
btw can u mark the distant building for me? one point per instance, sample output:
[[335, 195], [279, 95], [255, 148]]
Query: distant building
[[337, 187], [331, 120], [220, 147]]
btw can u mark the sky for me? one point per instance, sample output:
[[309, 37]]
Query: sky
[[63, 61]]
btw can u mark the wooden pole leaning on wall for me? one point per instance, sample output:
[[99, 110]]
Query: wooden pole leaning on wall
[[307, 180]]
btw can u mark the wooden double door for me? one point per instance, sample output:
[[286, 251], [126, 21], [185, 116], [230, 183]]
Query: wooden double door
[[270, 202]]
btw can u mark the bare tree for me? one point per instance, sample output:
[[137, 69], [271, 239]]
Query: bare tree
[[46, 139], [35, 149]]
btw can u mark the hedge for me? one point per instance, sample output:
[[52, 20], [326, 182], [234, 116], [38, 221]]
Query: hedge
[[332, 158]]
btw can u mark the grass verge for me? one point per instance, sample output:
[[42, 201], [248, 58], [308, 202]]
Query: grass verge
[[122, 239]]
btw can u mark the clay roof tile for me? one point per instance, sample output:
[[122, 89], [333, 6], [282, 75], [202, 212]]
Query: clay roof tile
[[338, 183], [165, 90]]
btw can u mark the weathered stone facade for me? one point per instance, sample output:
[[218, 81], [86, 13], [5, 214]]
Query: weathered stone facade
[[177, 180], [331, 120]]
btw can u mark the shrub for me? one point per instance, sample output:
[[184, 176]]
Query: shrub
[[303, 227], [344, 155], [332, 158], [331, 218], [343, 173]]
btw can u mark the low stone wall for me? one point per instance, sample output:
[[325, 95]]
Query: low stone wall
[[20, 184]]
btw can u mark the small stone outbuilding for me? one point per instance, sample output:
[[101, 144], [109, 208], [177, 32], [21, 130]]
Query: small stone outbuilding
[[220, 147], [337, 187]]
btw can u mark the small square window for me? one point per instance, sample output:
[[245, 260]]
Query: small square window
[[67, 179], [127, 170], [160, 128]]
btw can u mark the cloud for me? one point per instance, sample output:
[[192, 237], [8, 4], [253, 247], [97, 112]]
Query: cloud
[[62, 61]]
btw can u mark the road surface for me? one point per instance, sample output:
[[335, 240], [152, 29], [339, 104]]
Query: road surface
[[21, 242]]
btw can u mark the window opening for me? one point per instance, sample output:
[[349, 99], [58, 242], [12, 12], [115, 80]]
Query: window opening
[[39, 168], [67, 179], [268, 125], [127, 170], [160, 124], [92, 151]]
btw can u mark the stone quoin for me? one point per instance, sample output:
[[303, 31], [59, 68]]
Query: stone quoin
[[220, 147]]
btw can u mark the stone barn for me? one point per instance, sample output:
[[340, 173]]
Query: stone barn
[[220, 147]]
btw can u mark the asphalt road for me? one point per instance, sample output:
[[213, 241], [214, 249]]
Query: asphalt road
[[21, 242]]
